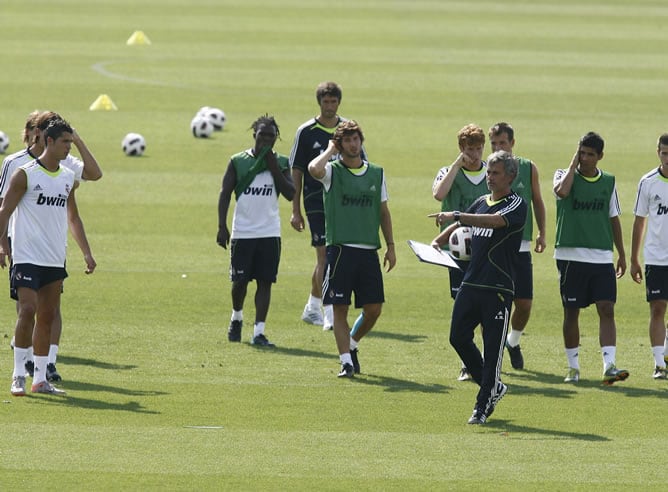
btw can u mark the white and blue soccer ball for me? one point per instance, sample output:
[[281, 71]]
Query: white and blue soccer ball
[[201, 126], [4, 142], [460, 243], [133, 144]]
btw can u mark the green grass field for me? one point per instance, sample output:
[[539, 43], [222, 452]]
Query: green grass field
[[157, 397]]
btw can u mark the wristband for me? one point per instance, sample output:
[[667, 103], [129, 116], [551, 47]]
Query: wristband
[[456, 215]]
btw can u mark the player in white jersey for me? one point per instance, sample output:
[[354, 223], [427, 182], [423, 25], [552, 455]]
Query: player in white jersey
[[651, 215], [257, 177], [85, 168], [41, 194]]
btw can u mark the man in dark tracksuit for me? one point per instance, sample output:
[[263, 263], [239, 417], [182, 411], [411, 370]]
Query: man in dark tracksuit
[[487, 290]]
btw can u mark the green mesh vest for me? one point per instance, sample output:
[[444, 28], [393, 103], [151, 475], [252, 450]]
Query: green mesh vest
[[352, 206], [583, 217], [522, 186]]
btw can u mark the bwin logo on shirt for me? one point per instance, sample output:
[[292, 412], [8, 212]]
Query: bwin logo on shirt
[[662, 210], [52, 201], [482, 231], [266, 190]]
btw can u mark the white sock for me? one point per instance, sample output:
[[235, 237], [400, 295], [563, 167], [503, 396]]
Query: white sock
[[31, 354], [258, 329], [53, 353], [665, 345], [314, 302], [514, 338], [658, 356], [40, 368], [20, 358], [237, 315], [572, 354], [329, 314], [609, 355], [346, 359], [353, 343]]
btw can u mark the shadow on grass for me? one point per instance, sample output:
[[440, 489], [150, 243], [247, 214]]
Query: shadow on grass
[[569, 389], [507, 426], [79, 361], [395, 385], [86, 386], [292, 351], [87, 403], [402, 337]]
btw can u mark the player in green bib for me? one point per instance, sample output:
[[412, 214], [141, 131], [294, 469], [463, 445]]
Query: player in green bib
[[588, 226], [355, 202], [526, 184], [457, 186]]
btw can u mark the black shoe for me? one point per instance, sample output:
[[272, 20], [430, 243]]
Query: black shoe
[[347, 371], [234, 331], [52, 374], [356, 362], [30, 368], [516, 358], [261, 341], [478, 417], [501, 390]]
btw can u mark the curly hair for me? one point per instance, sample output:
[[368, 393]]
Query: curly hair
[[471, 134], [347, 128], [265, 120]]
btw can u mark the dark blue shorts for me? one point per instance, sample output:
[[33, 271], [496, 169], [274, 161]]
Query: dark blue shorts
[[352, 270], [316, 224], [656, 282], [255, 259], [582, 284], [34, 276], [523, 276]]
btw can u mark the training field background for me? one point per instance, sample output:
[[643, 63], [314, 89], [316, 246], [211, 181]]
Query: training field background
[[157, 397]]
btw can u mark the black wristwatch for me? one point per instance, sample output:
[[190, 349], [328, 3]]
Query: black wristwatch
[[456, 215]]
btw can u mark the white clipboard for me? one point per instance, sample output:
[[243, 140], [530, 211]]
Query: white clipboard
[[428, 254]]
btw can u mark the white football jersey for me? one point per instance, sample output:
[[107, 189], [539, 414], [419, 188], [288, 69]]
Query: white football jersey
[[652, 202], [12, 162], [256, 212], [40, 218]]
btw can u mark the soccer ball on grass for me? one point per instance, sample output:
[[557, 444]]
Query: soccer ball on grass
[[133, 144], [201, 127], [217, 118], [460, 243]]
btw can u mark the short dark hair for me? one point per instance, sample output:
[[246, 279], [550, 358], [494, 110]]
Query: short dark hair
[[328, 89], [594, 141], [265, 120], [347, 128], [502, 127], [56, 128], [663, 140], [46, 117]]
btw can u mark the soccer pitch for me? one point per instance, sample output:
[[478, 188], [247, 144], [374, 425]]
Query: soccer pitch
[[157, 397]]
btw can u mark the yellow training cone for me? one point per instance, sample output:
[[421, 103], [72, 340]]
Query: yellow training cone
[[138, 37], [103, 103]]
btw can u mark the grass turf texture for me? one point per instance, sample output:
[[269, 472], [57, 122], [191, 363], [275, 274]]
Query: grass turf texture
[[156, 395]]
